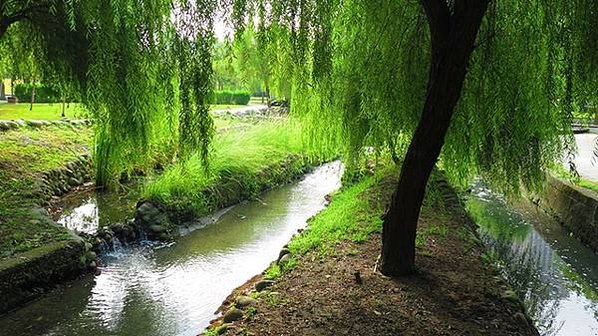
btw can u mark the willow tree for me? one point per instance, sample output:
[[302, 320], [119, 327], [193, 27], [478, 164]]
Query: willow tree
[[480, 87], [142, 68]]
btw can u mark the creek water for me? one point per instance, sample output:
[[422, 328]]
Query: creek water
[[550, 270], [174, 289]]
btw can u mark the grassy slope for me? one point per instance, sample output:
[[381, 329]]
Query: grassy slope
[[239, 155], [24, 155], [354, 215]]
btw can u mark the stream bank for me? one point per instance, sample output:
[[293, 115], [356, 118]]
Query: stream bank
[[331, 286], [153, 288]]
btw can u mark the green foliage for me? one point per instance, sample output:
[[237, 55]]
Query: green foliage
[[575, 179], [358, 73], [245, 62], [142, 69], [273, 272], [239, 161], [230, 97], [43, 93]]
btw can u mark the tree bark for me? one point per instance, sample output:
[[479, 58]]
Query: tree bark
[[32, 96], [452, 42], [2, 91]]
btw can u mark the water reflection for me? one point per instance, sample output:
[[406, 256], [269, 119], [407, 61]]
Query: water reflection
[[555, 275], [89, 210], [174, 290]]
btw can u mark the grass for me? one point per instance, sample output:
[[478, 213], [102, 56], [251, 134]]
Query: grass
[[240, 159], [54, 111], [24, 155], [576, 180], [39, 111], [352, 215]]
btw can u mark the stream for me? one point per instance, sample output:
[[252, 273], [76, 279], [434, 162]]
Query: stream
[[172, 289], [549, 269]]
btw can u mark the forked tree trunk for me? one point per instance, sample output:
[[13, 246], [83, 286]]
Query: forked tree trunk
[[452, 37]]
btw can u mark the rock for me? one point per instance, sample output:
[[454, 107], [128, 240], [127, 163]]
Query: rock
[[35, 123], [157, 228], [261, 285], [222, 328], [232, 315], [20, 122], [285, 258], [153, 219], [4, 126], [92, 264], [244, 301], [282, 253], [91, 255], [12, 124], [74, 182]]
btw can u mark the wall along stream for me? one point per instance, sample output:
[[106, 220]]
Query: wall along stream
[[551, 271], [174, 289]]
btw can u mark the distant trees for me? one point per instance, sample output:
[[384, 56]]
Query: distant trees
[[243, 63]]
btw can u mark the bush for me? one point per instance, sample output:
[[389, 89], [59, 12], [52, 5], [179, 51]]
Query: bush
[[43, 93], [230, 97]]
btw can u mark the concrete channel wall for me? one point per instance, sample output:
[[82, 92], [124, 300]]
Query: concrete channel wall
[[574, 207]]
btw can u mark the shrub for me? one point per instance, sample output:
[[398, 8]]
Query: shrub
[[43, 93], [230, 97]]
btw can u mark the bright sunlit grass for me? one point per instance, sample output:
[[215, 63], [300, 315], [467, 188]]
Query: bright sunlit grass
[[39, 111], [241, 156]]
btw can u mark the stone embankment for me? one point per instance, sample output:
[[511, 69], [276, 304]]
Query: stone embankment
[[28, 274], [574, 207], [7, 125], [163, 221]]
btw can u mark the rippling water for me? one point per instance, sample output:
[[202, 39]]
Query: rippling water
[[174, 290], [555, 275]]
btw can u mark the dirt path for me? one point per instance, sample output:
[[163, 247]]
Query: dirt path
[[453, 293]]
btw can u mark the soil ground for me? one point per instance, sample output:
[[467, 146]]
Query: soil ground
[[454, 292]]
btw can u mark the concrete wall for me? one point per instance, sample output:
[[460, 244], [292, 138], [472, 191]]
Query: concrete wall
[[25, 277], [574, 207]]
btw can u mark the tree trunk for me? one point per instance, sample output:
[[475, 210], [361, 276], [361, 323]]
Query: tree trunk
[[63, 106], [452, 37], [32, 96], [2, 92]]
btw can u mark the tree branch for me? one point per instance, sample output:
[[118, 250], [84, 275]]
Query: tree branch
[[6, 21]]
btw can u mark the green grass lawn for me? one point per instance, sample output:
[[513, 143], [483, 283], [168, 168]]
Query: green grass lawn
[[53, 111], [24, 155], [39, 111]]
